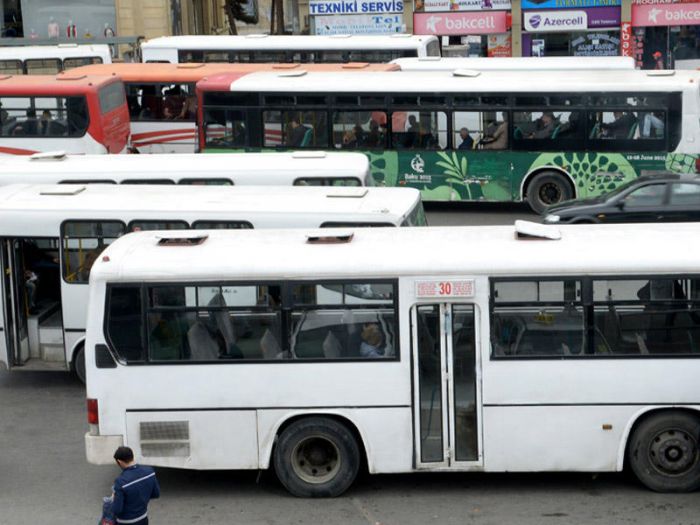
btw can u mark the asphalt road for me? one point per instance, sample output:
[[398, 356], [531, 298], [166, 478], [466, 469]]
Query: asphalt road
[[44, 477]]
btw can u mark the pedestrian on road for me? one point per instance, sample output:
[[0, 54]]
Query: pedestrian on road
[[133, 489]]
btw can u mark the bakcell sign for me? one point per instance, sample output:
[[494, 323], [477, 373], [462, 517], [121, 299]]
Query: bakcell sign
[[461, 5], [550, 21], [354, 7], [666, 15], [467, 23]]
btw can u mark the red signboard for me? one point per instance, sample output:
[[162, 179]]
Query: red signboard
[[666, 15], [460, 23], [626, 39]]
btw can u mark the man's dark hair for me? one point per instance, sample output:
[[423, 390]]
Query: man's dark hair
[[124, 454]]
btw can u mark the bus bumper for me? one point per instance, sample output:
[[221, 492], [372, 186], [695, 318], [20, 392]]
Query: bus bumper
[[99, 450]]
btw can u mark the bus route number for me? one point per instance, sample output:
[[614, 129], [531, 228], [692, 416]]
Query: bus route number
[[462, 288]]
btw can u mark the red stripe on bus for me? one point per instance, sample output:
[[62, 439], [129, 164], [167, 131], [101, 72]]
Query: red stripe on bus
[[188, 138], [149, 134], [17, 151]]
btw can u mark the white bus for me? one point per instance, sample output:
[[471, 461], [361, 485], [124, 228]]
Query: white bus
[[56, 232], [514, 63], [298, 168], [455, 349], [50, 60], [281, 48]]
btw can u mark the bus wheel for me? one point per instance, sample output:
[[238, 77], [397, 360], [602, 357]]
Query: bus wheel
[[664, 453], [79, 363], [549, 187], [316, 457]]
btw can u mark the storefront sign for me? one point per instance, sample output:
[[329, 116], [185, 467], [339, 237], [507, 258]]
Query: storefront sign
[[662, 2], [461, 5], [626, 39], [359, 24], [483, 23], [568, 4], [499, 45], [353, 7], [561, 21], [595, 45], [666, 15]]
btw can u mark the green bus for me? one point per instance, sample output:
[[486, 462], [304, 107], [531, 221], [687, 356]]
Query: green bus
[[464, 135]]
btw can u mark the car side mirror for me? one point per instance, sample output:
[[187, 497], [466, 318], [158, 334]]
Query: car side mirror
[[620, 204]]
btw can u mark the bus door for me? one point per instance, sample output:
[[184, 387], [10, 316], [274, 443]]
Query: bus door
[[14, 349], [447, 394]]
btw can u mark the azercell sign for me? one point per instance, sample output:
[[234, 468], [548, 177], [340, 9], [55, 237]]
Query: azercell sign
[[551, 21], [354, 7]]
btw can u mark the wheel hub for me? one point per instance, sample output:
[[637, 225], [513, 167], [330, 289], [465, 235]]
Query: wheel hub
[[673, 452], [316, 460], [550, 193]]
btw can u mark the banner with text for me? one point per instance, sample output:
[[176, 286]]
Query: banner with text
[[680, 14], [444, 24], [359, 24], [568, 4], [354, 7], [460, 5]]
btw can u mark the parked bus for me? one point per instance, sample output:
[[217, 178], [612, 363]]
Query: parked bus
[[50, 60], [289, 48], [162, 103], [514, 63], [68, 112], [56, 232], [498, 354], [299, 168], [470, 135]]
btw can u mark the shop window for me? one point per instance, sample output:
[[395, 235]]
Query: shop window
[[479, 130], [359, 129], [420, 130]]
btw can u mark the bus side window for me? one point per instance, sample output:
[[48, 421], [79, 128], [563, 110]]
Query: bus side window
[[82, 243], [124, 323]]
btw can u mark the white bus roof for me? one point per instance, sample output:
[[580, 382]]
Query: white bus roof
[[513, 63], [286, 42], [38, 210], [241, 168], [389, 253], [472, 81], [57, 51]]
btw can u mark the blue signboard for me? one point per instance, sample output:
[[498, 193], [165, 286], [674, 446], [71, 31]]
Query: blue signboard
[[568, 4]]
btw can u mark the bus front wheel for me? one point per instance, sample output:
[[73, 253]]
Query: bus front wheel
[[664, 453], [316, 457], [547, 188]]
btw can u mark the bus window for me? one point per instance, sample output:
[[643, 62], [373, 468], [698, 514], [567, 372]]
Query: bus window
[[416, 217], [422, 130], [43, 66], [547, 125], [228, 128], [124, 323], [295, 129], [137, 226], [222, 225], [344, 321], [82, 243], [359, 129], [77, 116], [645, 317], [73, 62], [432, 49], [476, 129], [537, 318], [165, 182], [327, 181], [111, 97], [11, 67], [206, 182]]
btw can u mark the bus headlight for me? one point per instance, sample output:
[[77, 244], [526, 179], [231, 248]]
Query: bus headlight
[[552, 218]]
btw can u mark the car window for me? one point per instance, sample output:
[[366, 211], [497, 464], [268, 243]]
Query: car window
[[649, 195], [685, 194]]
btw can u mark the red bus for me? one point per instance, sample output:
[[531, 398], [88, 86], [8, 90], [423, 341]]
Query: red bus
[[71, 112], [161, 97]]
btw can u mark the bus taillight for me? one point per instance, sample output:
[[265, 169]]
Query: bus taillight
[[92, 415]]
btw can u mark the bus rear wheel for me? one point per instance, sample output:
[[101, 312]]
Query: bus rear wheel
[[79, 363], [547, 188], [664, 452], [316, 457]]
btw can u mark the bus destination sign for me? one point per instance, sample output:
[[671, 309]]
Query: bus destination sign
[[461, 288]]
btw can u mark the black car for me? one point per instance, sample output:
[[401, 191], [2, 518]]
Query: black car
[[666, 197]]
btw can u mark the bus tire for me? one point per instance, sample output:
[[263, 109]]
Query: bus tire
[[664, 453], [548, 187], [316, 457], [79, 363]]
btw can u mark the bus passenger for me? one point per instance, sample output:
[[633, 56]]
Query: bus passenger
[[621, 127], [371, 345], [547, 124], [467, 141], [499, 139], [296, 133]]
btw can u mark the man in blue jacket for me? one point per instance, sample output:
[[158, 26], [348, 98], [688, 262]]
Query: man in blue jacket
[[133, 489]]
